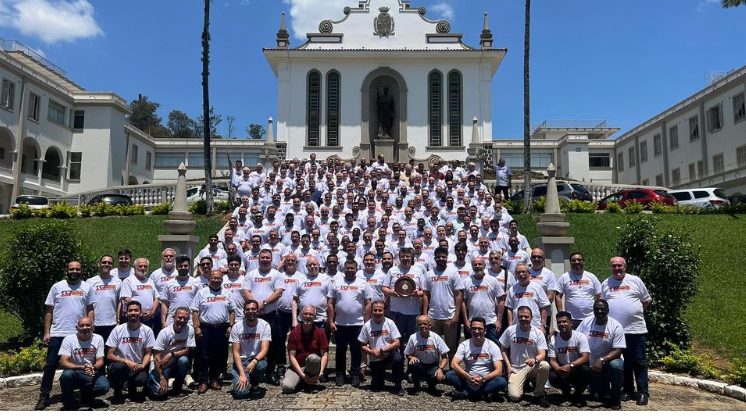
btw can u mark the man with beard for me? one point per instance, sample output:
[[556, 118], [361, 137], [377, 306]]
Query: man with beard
[[173, 350], [290, 279], [250, 341], [568, 359], [483, 298], [178, 292], [312, 291], [444, 290], [578, 290], [427, 355], [105, 297], [404, 309], [606, 340], [82, 358], [373, 277], [379, 339], [308, 351], [167, 271], [527, 293], [213, 318], [129, 349], [66, 302]]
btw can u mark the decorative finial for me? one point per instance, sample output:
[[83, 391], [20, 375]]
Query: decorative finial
[[283, 37], [485, 39]]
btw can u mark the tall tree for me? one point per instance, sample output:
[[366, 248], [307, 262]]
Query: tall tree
[[733, 3], [256, 131], [231, 129], [144, 117], [206, 107], [181, 125], [526, 113], [215, 121]]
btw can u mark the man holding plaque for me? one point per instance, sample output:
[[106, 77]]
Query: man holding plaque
[[403, 285]]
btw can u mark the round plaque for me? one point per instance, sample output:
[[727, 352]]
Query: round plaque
[[405, 286]]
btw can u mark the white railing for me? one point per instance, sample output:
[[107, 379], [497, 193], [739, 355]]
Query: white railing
[[597, 190], [147, 195]]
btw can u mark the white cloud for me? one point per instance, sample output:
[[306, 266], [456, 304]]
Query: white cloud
[[443, 9], [704, 4], [305, 15], [51, 21]]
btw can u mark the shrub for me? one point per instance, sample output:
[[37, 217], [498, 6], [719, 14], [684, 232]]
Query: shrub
[[578, 206], [62, 211], [28, 359], [688, 210], [657, 207], [539, 204], [35, 258], [512, 207], [633, 207], [613, 207], [161, 209], [85, 211], [668, 263], [199, 207], [738, 374], [222, 207], [22, 212], [685, 361]]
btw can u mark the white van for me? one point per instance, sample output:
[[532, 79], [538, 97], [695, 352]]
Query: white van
[[704, 197]]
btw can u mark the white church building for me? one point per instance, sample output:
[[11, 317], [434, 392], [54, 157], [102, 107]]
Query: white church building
[[330, 88]]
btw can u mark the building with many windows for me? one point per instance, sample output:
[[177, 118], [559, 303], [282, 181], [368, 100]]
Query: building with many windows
[[698, 142]]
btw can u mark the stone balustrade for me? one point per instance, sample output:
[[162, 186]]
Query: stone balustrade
[[148, 195], [597, 190]]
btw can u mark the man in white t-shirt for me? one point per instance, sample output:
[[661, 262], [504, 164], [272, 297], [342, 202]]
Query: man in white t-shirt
[[141, 288], [105, 293], [483, 298], [527, 293], [481, 373], [606, 341], [179, 291], [628, 298], [427, 356], [528, 348], [578, 289], [129, 349], [249, 340], [444, 291], [403, 310], [379, 339], [82, 358], [568, 359], [67, 301], [173, 351]]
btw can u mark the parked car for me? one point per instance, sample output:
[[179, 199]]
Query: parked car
[[218, 194], [565, 190], [737, 198], [111, 199], [33, 202], [702, 198], [644, 196]]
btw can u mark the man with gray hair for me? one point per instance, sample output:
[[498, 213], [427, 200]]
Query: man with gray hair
[[308, 353]]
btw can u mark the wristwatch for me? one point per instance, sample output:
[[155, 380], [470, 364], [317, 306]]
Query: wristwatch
[[572, 365], [603, 360]]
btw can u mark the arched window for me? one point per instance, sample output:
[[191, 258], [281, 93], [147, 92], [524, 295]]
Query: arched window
[[332, 109], [313, 108], [435, 109], [454, 108]]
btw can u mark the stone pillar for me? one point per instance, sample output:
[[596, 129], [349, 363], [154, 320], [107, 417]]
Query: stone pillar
[[554, 239], [180, 224], [39, 170], [270, 131]]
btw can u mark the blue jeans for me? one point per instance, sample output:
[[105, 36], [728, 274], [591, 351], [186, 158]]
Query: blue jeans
[[407, 325], [611, 373], [90, 386], [497, 384], [178, 369], [635, 364], [53, 359], [254, 377]]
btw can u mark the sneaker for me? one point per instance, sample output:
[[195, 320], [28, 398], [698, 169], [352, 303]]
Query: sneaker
[[355, 380], [643, 399], [189, 381], [339, 380], [547, 385], [42, 403], [458, 394]]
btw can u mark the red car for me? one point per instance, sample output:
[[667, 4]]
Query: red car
[[644, 196]]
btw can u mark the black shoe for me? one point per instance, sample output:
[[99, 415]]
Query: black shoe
[[69, 408], [355, 380], [458, 394], [626, 397], [254, 392], [542, 401], [118, 399], [42, 403], [643, 400], [579, 402], [416, 387], [399, 391], [616, 407], [323, 378], [339, 380]]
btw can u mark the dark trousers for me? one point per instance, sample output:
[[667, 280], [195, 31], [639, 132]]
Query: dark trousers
[[53, 359], [505, 190], [347, 337], [285, 320], [423, 371], [154, 323], [611, 374], [407, 325], [277, 345], [213, 351], [395, 361], [497, 384], [635, 364], [90, 386], [120, 373], [577, 378], [104, 331]]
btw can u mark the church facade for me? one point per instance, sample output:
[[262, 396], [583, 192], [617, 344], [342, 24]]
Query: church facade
[[383, 78]]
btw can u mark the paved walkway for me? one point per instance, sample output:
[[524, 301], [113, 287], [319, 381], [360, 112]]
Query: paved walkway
[[662, 397]]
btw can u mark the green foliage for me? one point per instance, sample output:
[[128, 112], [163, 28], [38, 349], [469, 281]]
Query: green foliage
[[161, 209], [28, 359], [36, 258], [22, 212], [668, 262], [144, 116], [539, 204], [222, 207], [738, 374], [658, 208], [199, 207], [10, 329], [613, 207], [256, 131], [633, 207], [686, 361], [513, 207], [577, 206]]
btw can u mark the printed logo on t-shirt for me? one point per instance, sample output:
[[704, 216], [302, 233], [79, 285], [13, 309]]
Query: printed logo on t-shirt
[[216, 299], [479, 288], [438, 279], [379, 333], [580, 282], [72, 293], [132, 340], [174, 343], [231, 286], [290, 281], [311, 284], [83, 351], [250, 336], [185, 288], [620, 288], [563, 350], [144, 287], [598, 334], [524, 295], [348, 288], [523, 340], [263, 279], [104, 287], [477, 356], [425, 347]]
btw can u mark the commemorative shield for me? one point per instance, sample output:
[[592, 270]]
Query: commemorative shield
[[405, 286]]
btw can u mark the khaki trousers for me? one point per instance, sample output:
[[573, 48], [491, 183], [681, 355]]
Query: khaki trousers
[[539, 372]]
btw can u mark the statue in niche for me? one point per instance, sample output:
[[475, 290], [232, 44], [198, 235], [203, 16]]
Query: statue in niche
[[386, 113]]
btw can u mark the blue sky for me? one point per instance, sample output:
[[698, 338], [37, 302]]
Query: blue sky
[[623, 61]]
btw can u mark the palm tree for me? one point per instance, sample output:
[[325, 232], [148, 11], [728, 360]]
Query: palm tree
[[733, 3], [206, 108], [526, 114]]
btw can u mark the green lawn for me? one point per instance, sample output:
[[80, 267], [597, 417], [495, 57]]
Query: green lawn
[[716, 314]]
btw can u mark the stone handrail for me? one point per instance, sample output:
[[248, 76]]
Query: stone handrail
[[147, 195], [597, 190]]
